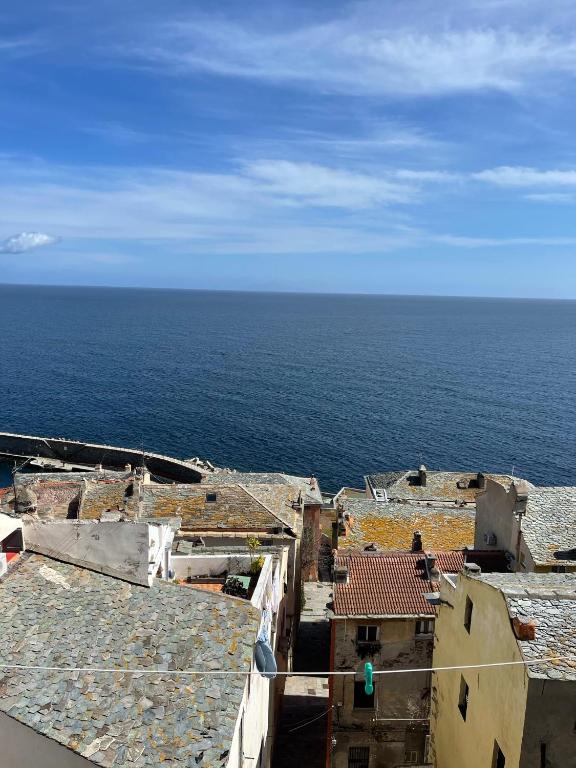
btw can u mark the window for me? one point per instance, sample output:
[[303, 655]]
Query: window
[[358, 757], [366, 633], [211, 497], [558, 569], [362, 700], [463, 698], [543, 754], [411, 756], [424, 627], [498, 759], [468, 614]]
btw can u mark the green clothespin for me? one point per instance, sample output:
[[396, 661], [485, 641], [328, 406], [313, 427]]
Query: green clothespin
[[368, 679]]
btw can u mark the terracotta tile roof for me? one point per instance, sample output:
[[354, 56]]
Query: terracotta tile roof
[[392, 525], [389, 583]]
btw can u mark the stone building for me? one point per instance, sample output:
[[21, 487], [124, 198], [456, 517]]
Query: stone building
[[381, 614], [142, 707], [535, 525], [516, 716]]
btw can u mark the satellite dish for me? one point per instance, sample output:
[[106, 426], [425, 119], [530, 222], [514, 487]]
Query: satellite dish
[[264, 658]]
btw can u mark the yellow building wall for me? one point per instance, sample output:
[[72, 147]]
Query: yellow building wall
[[497, 696]]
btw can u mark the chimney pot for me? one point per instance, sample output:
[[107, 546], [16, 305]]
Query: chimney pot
[[417, 542], [524, 627]]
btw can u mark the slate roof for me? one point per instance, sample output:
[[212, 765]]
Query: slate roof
[[549, 526], [309, 488], [234, 508], [550, 600], [55, 614], [389, 583], [100, 497], [392, 525], [440, 485]]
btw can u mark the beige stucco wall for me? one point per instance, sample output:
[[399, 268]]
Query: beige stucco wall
[[396, 696], [22, 747], [497, 696]]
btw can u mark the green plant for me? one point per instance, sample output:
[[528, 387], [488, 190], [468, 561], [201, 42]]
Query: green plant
[[257, 564]]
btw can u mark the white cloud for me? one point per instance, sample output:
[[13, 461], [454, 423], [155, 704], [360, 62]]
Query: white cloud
[[518, 176], [26, 241], [552, 197], [372, 50]]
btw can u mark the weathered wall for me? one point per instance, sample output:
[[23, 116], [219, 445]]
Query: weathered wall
[[550, 720], [22, 747], [311, 535], [92, 453], [396, 696], [497, 696], [117, 549]]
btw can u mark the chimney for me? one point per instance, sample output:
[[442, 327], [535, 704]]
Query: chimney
[[524, 627], [422, 474], [431, 571], [481, 480], [520, 497], [417, 542], [128, 467], [471, 569], [341, 574]]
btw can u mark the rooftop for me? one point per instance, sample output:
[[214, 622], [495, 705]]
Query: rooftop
[[213, 507], [549, 526], [307, 485], [100, 497], [389, 583], [440, 486], [117, 719], [549, 599], [391, 525]]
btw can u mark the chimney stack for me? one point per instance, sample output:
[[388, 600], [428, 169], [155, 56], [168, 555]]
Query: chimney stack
[[417, 542], [481, 480], [431, 571], [422, 474]]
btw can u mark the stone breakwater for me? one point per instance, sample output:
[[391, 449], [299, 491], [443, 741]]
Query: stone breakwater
[[59, 449]]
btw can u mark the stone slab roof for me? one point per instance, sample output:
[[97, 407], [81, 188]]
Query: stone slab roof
[[389, 583], [440, 486], [234, 507], [549, 526], [308, 486], [31, 478], [55, 614], [549, 599], [103, 496], [392, 525]]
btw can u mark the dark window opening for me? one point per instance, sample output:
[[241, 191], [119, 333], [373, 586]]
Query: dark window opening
[[468, 614], [425, 627], [362, 700], [211, 497], [543, 755], [359, 757], [498, 760], [366, 633], [463, 698]]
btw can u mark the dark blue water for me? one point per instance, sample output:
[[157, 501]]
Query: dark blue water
[[335, 385]]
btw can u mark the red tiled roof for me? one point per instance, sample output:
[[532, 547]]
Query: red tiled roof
[[389, 584]]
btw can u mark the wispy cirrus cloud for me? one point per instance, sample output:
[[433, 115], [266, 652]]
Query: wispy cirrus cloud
[[518, 176], [26, 241], [371, 50]]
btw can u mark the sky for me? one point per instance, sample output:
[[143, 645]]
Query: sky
[[406, 146]]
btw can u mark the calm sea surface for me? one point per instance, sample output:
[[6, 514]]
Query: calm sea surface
[[335, 385]]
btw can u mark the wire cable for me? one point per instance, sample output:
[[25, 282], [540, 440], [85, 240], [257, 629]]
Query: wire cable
[[333, 673], [303, 725]]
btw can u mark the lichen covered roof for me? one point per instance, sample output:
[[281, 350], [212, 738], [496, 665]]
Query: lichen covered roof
[[234, 507], [106, 495], [55, 614], [549, 526], [308, 486], [440, 485], [548, 599], [392, 525], [389, 583]]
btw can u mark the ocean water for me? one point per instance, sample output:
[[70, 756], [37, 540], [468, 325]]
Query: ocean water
[[338, 386]]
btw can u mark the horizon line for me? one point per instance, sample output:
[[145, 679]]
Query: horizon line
[[286, 292]]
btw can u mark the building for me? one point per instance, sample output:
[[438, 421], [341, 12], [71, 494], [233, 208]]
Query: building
[[58, 615], [515, 716], [428, 485], [393, 525], [383, 614], [537, 526]]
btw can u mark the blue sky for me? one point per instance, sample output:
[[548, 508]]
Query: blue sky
[[404, 146]]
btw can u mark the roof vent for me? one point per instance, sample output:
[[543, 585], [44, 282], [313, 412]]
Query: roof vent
[[524, 627], [380, 494], [422, 474], [211, 497], [341, 574], [472, 569], [417, 542], [371, 548]]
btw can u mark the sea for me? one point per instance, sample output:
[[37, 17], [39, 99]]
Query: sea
[[332, 385]]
